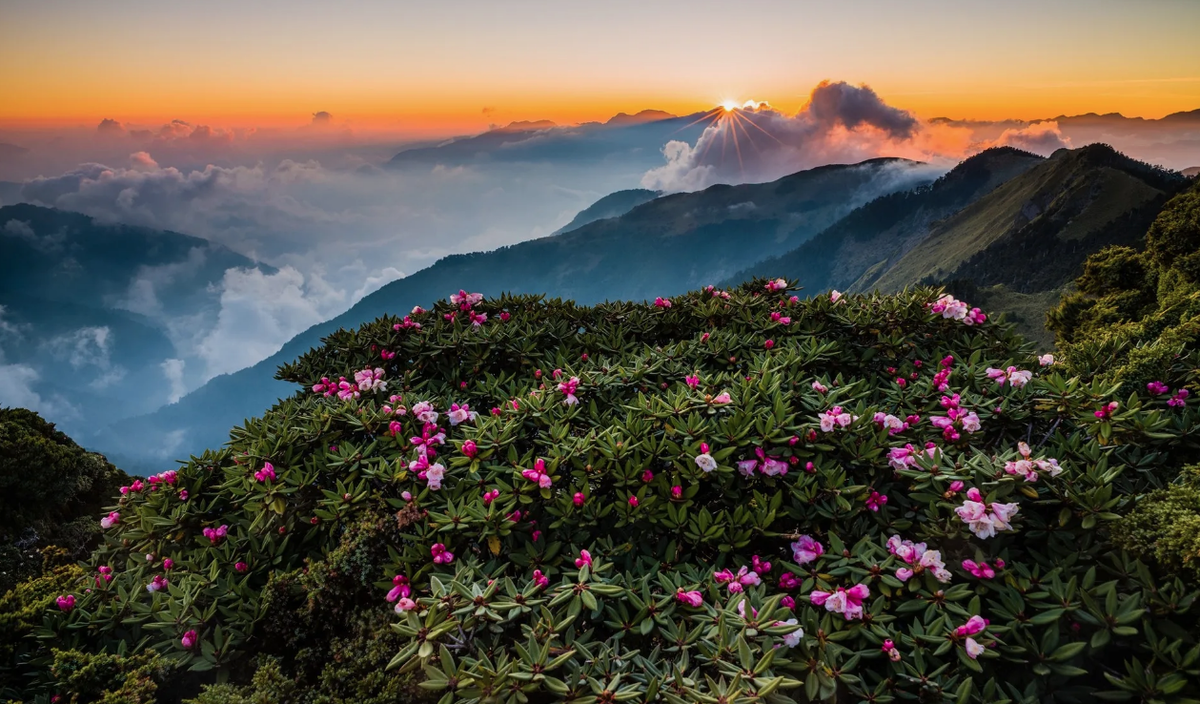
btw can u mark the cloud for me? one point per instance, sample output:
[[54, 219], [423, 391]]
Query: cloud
[[22, 230], [19, 389], [321, 119], [373, 282], [142, 294], [1040, 138], [173, 371], [259, 312], [88, 347], [840, 123]]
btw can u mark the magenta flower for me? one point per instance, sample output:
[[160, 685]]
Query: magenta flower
[[405, 604], [1157, 388], [65, 602], [693, 598], [776, 285], [847, 602], [876, 501], [568, 389], [157, 584], [806, 549], [692, 381], [215, 535], [974, 626], [578, 499], [540, 580], [110, 520], [1179, 400], [470, 449], [189, 640], [266, 473], [400, 588], [168, 564], [441, 556], [1107, 410], [633, 501], [768, 344], [490, 496], [662, 302], [788, 581], [538, 474], [676, 492], [979, 569], [890, 648], [585, 558], [240, 567], [722, 399]]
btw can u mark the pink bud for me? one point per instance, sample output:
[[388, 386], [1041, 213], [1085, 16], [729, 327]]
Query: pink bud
[[578, 499]]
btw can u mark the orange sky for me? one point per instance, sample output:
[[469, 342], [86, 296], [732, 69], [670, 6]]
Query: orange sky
[[413, 67]]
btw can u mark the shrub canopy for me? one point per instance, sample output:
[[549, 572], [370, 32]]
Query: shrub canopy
[[724, 497]]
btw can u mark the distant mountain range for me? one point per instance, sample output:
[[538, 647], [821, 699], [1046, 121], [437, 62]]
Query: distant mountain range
[[89, 311], [661, 247], [1007, 227]]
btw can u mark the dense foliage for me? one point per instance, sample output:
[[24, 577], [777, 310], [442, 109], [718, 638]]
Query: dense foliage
[[725, 497], [1136, 315], [50, 493]]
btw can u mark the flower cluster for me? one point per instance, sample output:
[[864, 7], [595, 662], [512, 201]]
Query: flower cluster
[[906, 457], [919, 558], [538, 475], [568, 389], [441, 556], [1029, 468], [806, 549], [951, 308], [835, 418], [1017, 377], [973, 627], [216, 535], [770, 466], [737, 581], [847, 602], [894, 424], [985, 519], [956, 418], [267, 473]]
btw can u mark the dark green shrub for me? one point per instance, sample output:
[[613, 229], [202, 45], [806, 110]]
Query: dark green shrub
[[22, 609], [50, 492], [513, 617]]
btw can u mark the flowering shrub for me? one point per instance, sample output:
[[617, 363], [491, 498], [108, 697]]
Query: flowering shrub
[[659, 506]]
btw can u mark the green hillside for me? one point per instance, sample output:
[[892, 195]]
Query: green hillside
[[1033, 233], [875, 235]]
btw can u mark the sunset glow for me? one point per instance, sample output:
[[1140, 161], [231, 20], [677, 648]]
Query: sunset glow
[[377, 67]]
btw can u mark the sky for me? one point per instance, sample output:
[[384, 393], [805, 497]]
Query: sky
[[444, 67]]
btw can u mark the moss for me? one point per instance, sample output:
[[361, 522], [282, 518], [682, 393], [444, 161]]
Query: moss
[[22, 609], [103, 678]]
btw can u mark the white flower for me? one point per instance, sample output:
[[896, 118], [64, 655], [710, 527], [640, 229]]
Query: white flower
[[706, 462]]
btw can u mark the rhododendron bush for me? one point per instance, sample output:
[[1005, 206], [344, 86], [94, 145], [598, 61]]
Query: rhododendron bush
[[720, 496]]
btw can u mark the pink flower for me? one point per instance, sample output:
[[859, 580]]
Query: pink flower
[[890, 648], [168, 564], [974, 649], [693, 598], [157, 584], [568, 388], [441, 556], [215, 535], [266, 473], [578, 499], [787, 580], [1157, 388], [189, 640], [662, 302], [490, 496], [769, 344], [956, 486], [405, 604], [835, 418], [806, 549], [65, 602], [461, 414], [470, 449], [788, 602], [110, 520], [776, 285], [400, 588], [633, 501], [848, 602], [465, 300], [1046, 360], [819, 387], [1179, 400], [240, 567], [974, 626], [792, 639], [647, 476], [979, 569], [1107, 410], [585, 558], [722, 398], [1012, 375], [538, 474], [876, 500], [540, 580], [760, 566], [676, 492], [692, 381], [835, 296]]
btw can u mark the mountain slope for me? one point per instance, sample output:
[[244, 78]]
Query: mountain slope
[[1033, 233], [880, 232], [610, 206], [661, 247]]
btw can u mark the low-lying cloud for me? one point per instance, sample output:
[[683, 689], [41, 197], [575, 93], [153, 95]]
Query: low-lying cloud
[[1040, 138]]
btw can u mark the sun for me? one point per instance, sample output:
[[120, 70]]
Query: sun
[[729, 105]]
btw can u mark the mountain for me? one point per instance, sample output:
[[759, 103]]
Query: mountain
[[10, 192], [1191, 171], [610, 206], [90, 312], [638, 117], [664, 246], [880, 232], [1033, 233]]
